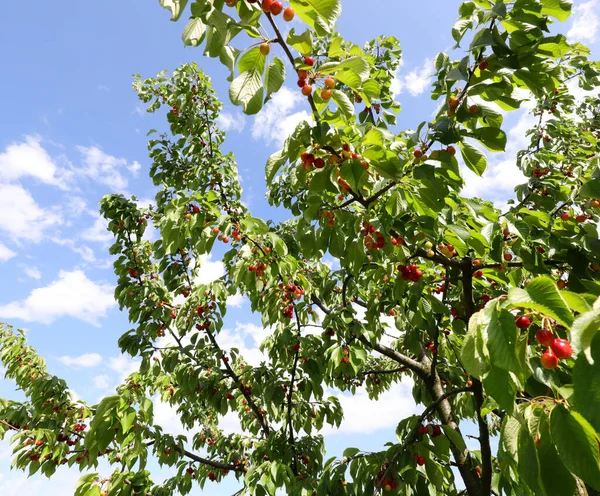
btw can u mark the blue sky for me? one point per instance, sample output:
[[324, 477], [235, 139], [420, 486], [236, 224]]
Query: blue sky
[[72, 130]]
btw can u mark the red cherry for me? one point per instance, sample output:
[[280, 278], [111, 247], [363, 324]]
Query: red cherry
[[508, 257], [276, 7], [544, 337], [301, 83], [266, 5], [523, 322], [549, 360], [420, 461], [566, 216], [319, 163], [309, 61], [418, 153], [483, 65], [562, 348]]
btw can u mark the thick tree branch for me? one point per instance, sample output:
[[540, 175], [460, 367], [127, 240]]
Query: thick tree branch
[[238, 383]]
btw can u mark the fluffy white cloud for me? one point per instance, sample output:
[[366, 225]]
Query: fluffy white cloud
[[98, 231], [209, 271], [277, 120], [364, 416], [106, 169], [231, 121], [415, 81], [21, 217], [30, 159], [499, 180], [71, 295], [123, 365], [586, 22], [85, 360], [101, 381], [6, 253], [235, 300]]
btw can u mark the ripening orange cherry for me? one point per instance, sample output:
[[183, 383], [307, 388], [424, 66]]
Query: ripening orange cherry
[[288, 14], [302, 74], [265, 49], [330, 83], [474, 109], [418, 153], [453, 102], [451, 150], [326, 94], [307, 90]]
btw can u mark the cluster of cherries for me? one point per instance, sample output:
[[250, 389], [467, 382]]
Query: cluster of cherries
[[556, 348], [373, 239], [410, 272], [304, 82], [387, 483], [566, 216]]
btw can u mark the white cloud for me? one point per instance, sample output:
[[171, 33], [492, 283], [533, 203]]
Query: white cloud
[[231, 121], [85, 360], [415, 82], [502, 175], [585, 22], [101, 381], [21, 217], [209, 271], [364, 416], [123, 365], [98, 231], [235, 300], [30, 159], [71, 295], [276, 121], [106, 169], [32, 271], [86, 253], [6, 253]]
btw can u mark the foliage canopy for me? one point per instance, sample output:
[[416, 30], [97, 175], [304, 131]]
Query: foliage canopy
[[493, 315]]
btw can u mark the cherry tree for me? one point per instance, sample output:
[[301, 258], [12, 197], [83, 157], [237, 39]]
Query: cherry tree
[[493, 315]]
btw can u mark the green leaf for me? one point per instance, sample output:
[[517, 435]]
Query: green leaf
[[542, 294], [528, 464], [474, 158], [556, 478], [576, 444], [275, 76], [247, 89], [194, 32], [502, 336], [353, 173], [500, 386], [455, 438], [357, 64], [585, 327], [320, 15], [591, 189], [274, 163], [344, 103], [175, 6], [586, 385], [301, 42], [493, 138], [561, 9]]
